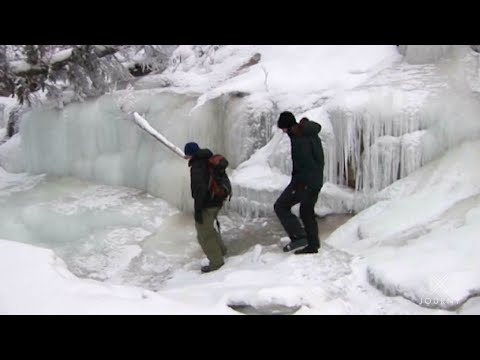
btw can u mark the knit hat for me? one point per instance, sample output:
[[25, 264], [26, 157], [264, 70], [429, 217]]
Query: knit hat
[[286, 120], [191, 148]]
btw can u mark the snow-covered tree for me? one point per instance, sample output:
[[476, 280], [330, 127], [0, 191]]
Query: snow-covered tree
[[7, 84], [88, 70]]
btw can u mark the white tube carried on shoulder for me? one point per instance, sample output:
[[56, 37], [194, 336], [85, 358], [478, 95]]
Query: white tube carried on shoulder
[[140, 121]]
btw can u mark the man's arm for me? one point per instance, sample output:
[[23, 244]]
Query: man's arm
[[199, 189]]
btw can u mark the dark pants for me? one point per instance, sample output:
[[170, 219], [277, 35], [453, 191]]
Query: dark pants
[[307, 198]]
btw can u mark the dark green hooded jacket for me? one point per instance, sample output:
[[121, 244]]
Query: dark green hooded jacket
[[307, 154]]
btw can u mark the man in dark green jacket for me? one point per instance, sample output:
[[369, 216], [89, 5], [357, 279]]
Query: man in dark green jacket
[[206, 207], [305, 185]]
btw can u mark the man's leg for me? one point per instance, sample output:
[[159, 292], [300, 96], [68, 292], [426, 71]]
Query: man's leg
[[219, 235], [291, 224], [207, 238], [307, 214]]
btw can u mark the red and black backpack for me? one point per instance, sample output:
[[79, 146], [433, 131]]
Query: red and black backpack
[[219, 184]]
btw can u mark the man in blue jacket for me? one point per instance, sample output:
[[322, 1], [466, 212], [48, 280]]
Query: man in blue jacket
[[206, 207]]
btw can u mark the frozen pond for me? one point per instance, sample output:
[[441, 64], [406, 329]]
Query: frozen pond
[[121, 235]]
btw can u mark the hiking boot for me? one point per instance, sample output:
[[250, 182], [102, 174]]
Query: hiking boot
[[208, 268], [295, 245], [307, 250]]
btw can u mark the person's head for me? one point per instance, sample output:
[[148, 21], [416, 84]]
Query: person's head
[[286, 121], [191, 149]]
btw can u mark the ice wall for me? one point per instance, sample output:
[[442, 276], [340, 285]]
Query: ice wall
[[97, 141], [381, 131], [374, 134], [405, 117]]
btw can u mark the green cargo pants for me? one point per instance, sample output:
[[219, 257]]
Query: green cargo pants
[[210, 239]]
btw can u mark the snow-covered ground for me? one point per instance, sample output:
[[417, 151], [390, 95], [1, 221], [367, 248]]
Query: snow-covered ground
[[149, 260], [36, 281], [413, 251], [418, 244]]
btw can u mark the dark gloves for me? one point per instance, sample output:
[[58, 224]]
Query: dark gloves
[[198, 217]]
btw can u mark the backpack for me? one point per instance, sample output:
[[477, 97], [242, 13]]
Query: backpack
[[219, 184]]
